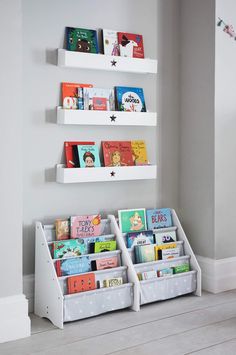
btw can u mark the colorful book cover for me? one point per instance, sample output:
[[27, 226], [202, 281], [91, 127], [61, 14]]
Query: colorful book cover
[[71, 154], [181, 268], [100, 247], [72, 93], [139, 152], [88, 156], [62, 228], [88, 240], [129, 99], [85, 226], [139, 238], [165, 272], [81, 283], [165, 237], [81, 40], [99, 99], [144, 253], [159, 248], [170, 253], [132, 220], [110, 42], [159, 218], [73, 266], [67, 249], [117, 153], [131, 45], [107, 263]]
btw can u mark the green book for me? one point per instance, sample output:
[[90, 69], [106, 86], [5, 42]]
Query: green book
[[81, 40], [99, 247], [181, 268]]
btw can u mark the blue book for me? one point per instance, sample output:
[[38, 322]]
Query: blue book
[[130, 99], [73, 266], [159, 218], [139, 238], [88, 156]]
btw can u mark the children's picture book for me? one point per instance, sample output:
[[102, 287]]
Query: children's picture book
[[100, 247], [133, 220], [67, 249], [62, 228], [110, 42], [131, 45], [85, 226], [159, 218], [165, 272], [116, 281], [88, 156], [129, 99], [139, 152], [147, 275], [88, 240], [117, 153], [81, 283], [181, 268], [73, 266], [158, 249], [71, 153], [81, 40], [139, 238], [165, 237], [170, 253], [99, 99], [106, 263], [144, 253], [72, 95]]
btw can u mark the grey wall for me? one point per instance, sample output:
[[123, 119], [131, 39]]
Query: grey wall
[[196, 168], [10, 143]]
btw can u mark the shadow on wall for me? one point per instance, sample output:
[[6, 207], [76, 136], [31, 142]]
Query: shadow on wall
[[28, 244]]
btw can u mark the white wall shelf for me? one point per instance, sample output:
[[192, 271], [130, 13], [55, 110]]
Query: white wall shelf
[[77, 175], [72, 59], [102, 118]]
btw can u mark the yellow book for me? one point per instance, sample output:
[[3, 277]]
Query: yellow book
[[163, 246], [139, 152]]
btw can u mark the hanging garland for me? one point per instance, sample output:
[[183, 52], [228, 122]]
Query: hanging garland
[[227, 28]]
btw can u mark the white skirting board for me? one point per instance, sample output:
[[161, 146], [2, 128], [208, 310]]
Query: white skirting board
[[14, 319]]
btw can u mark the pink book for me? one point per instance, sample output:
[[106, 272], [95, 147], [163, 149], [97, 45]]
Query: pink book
[[85, 226]]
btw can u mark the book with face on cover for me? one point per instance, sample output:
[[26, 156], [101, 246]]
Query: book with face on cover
[[85, 226], [159, 218], [99, 99], [129, 99], [71, 153], [62, 227], [88, 156], [139, 152], [72, 95], [117, 153], [131, 45], [110, 42], [133, 220], [81, 40]]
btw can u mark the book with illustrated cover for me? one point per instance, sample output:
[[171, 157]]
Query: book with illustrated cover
[[81, 40], [129, 99], [72, 95], [139, 238], [81, 283], [165, 272], [71, 153], [165, 237], [147, 275], [181, 268], [67, 248], [88, 240], [144, 253], [132, 220], [170, 253], [159, 218], [158, 249], [106, 263], [62, 228], [116, 281], [131, 45], [88, 156], [73, 266], [99, 99], [100, 247], [110, 42], [139, 152], [117, 153], [85, 226]]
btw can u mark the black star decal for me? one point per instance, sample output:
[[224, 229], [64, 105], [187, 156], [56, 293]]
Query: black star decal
[[113, 118], [113, 63], [113, 173]]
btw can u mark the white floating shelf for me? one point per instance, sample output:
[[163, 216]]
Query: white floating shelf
[[72, 59], [77, 175], [102, 118]]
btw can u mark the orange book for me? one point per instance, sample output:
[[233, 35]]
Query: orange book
[[81, 283], [72, 95]]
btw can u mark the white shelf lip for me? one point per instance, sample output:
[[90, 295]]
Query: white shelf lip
[[92, 256], [79, 175], [97, 272], [159, 279], [102, 118], [162, 261], [80, 60]]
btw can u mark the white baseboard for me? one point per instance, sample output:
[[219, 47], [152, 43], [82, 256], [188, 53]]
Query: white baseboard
[[14, 320], [28, 289], [218, 275]]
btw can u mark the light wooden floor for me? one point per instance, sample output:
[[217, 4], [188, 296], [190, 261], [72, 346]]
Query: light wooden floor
[[187, 325]]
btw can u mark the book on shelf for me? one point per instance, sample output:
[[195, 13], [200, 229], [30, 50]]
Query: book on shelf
[[110, 42], [147, 275], [72, 95], [88, 156], [131, 45], [85, 226], [139, 238], [68, 248], [81, 40], [100, 247], [144, 253], [165, 272], [106, 263], [181, 268], [165, 237], [117, 153], [99, 99], [81, 283], [158, 249], [132, 220], [129, 99], [87, 241], [139, 152], [159, 218], [62, 228], [170, 253], [115, 281], [71, 153], [73, 266]]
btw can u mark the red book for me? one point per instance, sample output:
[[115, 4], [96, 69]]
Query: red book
[[131, 45], [72, 159], [70, 90], [100, 103], [117, 153], [81, 283]]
